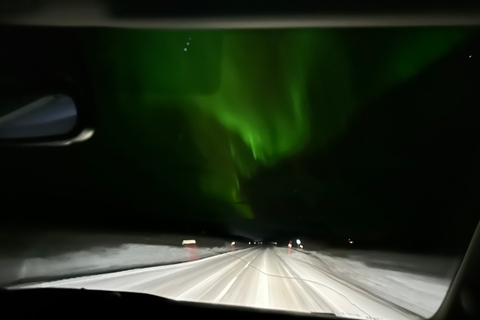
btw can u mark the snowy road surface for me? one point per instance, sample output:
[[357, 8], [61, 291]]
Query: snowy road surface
[[262, 277]]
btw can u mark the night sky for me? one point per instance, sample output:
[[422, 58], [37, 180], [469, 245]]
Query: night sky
[[329, 134]]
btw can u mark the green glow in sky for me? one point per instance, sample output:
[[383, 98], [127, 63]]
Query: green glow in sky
[[268, 109], [254, 98]]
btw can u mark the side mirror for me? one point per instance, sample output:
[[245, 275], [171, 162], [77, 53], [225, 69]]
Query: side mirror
[[46, 94], [47, 120]]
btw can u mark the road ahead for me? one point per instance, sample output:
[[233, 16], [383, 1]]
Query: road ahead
[[262, 277]]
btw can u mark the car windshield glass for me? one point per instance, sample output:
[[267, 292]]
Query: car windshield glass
[[327, 171]]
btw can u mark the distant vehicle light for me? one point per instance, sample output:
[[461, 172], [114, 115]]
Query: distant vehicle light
[[274, 243], [289, 245], [351, 242], [254, 242], [301, 246], [233, 243], [249, 243], [298, 241], [184, 242]]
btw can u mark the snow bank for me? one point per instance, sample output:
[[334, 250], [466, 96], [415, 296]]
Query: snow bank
[[98, 260], [421, 294]]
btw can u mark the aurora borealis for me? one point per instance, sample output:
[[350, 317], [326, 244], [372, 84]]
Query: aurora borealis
[[333, 134], [251, 98]]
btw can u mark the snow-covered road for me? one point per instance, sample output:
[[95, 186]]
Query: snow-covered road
[[262, 277]]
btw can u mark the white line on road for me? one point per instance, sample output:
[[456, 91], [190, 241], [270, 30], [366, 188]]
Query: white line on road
[[225, 290]]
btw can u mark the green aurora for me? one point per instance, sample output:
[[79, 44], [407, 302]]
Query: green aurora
[[248, 98]]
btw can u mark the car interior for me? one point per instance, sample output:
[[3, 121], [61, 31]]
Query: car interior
[[53, 130]]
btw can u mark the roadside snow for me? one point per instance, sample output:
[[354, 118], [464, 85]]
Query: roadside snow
[[98, 260], [420, 294]]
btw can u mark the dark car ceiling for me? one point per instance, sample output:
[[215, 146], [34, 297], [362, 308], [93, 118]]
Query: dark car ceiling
[[397, 171], [187, 14]]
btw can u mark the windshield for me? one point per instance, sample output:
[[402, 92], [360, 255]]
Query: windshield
[[325, 171]]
